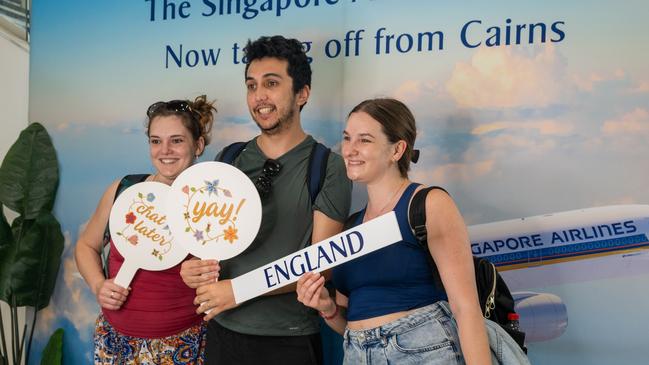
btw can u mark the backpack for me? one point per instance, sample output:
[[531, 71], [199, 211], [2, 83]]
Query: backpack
[[494, 296], [126, 182], [495, 299], [317, 164]]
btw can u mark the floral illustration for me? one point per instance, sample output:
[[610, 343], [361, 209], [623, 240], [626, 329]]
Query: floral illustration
[[230, 234], [130, 218], [199, 236], [133, 239], [211, 187]]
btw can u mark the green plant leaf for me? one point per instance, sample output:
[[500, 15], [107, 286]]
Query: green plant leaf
[[29, 266], [53, 352], [7, 248], [6, 238], [29, 174]]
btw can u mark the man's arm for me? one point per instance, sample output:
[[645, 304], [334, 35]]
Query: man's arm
[[323, 228], [218, 297]]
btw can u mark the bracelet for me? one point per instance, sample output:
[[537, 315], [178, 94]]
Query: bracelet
[[329, 318]]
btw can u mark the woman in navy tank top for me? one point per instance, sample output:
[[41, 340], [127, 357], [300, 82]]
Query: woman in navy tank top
[[387, 304]]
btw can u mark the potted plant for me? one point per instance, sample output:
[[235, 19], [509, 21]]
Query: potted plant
[[31, 247]]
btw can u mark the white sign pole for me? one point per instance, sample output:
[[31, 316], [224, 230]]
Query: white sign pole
[[345, 246]]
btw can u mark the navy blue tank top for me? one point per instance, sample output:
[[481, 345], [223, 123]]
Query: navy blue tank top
[[393, 279]]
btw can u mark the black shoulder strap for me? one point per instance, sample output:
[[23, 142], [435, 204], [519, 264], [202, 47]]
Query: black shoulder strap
[[417, 221], [231, 152], [417, 213], [317, 164], [350, 220], [317, 169], [126, 182]]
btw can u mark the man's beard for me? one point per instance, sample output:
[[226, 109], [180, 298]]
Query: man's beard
[[282, 123]]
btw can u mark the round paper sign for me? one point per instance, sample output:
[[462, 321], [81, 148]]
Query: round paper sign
[[214, 210], [140, 230]]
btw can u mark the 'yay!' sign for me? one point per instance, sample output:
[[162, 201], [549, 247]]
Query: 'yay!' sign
[[214, 210], [348, 245]]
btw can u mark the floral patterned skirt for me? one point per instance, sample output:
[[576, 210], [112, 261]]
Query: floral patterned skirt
[[114, 348]]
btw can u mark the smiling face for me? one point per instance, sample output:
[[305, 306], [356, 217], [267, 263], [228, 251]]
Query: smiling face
[[172, 147], [271, 101], [368, 154]]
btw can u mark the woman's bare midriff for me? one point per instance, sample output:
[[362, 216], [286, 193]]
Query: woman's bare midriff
[[369, 323]]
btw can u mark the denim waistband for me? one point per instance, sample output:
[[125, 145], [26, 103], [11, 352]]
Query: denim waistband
[[436, 310]]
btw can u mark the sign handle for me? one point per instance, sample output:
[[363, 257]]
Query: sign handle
[[125, 274]]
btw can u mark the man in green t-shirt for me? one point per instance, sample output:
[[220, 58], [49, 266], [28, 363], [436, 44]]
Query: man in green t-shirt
[[274, 328]]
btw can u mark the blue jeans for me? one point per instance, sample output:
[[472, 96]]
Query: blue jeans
[[426, 336]]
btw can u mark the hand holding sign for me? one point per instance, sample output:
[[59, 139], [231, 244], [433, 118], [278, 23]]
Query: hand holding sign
[[140, 231], [215, 211]]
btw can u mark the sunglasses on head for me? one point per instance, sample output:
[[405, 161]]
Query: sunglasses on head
[[263, 183], [173, 105]]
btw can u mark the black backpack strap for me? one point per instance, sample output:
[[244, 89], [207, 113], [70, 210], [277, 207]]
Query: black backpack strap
[[231, 152], [349, 223], [417, 214], [494, 296], [317, 169], [317, 164], [417, 221], [126, 182]]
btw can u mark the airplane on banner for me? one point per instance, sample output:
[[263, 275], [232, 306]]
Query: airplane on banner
[[560, 248]]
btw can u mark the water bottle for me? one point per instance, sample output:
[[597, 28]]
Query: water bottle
[[512, 321]]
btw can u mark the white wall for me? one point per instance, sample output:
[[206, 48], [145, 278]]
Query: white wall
[[14, 96], [14, 89]]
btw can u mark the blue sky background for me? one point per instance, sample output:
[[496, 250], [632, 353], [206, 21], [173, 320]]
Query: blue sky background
[[511, 131]]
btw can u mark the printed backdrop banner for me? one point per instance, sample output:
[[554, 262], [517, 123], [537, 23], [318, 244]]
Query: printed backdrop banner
[[523, 109]]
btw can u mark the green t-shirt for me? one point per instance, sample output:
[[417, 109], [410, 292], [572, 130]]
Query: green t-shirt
[[286, 227]]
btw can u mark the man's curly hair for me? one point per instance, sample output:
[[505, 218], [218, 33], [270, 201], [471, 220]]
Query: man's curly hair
[[290, 50]]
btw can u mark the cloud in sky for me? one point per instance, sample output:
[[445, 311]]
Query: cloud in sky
[[449, 173], [226, 133], [632, 123], [72, 301], [508, 77], [62, 126], [412, 90], [588, 82], [543, 127], [641, 87]]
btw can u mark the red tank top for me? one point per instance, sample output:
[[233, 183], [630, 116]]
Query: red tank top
[[159, 304]]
